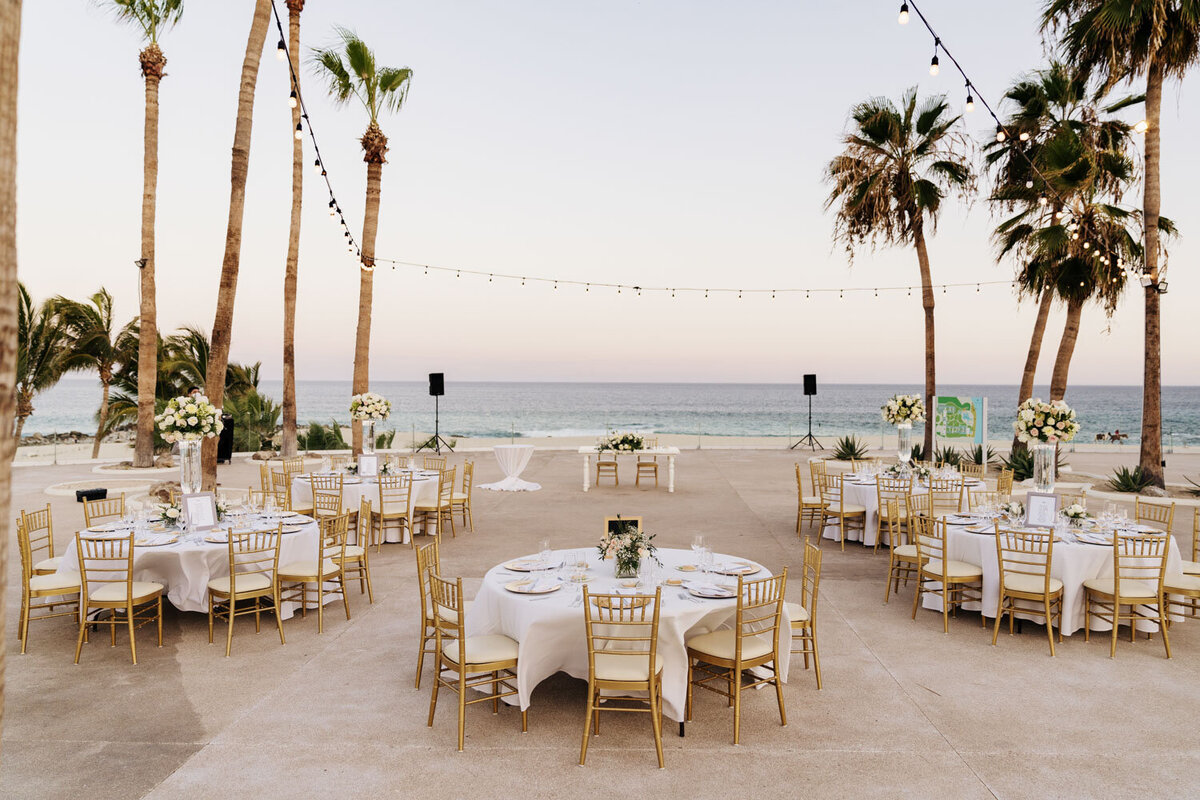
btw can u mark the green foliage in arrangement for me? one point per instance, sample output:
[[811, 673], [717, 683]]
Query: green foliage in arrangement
[[947, 455], [1133, 480], [974, 455], [849, 448], [322, 437]]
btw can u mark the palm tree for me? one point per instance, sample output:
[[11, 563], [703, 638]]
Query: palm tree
[[152, 17], [889, 183], [91, 344], [1120, 40], [41, 340], [222, 330], [351, 71], [293, 255]]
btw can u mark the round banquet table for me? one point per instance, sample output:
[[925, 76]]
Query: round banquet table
[[550, 627], [355, 490], [1072, 562], [512, 458], [864, 493], [185, 568]]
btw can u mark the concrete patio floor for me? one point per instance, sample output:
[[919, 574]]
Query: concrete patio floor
[[905, 711]]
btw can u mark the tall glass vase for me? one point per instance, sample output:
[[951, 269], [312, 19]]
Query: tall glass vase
[[368, 428], [1043, 467], [904, 441], [189, 466]]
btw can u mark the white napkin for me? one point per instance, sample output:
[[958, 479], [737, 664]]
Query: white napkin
[[154, 538]]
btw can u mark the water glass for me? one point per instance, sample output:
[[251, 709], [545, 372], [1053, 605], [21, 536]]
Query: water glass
[[706, 560], [697, 545], [544, 551]]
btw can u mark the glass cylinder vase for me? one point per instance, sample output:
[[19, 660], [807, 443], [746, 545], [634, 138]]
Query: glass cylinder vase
[[626, 568], [189, 466], [904, 442], [1043, 467], [368, 429]]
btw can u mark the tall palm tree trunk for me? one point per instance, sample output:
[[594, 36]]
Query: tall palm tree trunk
[[293, 254], [1035, 352], [10, 39], [153, 63], [1066, 349], [375, 146], [104, 382], [1150, 458], [930, 350], [218, 355]]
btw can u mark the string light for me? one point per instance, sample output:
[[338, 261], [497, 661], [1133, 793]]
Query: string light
[[281, 50], [970, 99], [293, 100], [1142, 126], [934, 67], [317, 167], [299, 130], [1024, 136], [1000, 135], [903, 18]]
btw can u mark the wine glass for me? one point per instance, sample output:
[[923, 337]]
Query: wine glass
[[697, 545], [544, 554]]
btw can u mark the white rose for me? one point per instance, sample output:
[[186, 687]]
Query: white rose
[[193, 421]]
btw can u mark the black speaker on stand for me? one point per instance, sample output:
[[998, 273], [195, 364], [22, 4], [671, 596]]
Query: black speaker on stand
[[437, 388], [810, 389]]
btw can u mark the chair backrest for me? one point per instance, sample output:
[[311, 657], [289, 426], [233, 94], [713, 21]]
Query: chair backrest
[[1140, 557], [1196, 534], [446, 597], [611, 524], [104, 559], [254, 553], [468, 478], [817, 469], [945, 495], [892, 494], [970, 470], [365, 515], [811, 580], [799, 481], [981, 498], [257, 498], [281, 484], [99, 510], [395, 490], [434, 462], [1158, 514], [759, 609], [27, 559], [264, 477], [331, 545], [1071, 498], [1025, 553], [919, 505], [831, 490], [446, 486], [339, 463], [930, 537], [428, 563], [400, 462], [857, 464], [327, 495], [1004, 482], [39, 532], [293, 465], [624, 626]]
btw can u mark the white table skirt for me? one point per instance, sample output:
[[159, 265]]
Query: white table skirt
[[185, 568], [867, 496], [668, 452], [551, 631], [1073, 563], [424, 492], [512, 458]]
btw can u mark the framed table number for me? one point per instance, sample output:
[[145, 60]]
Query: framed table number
[[368, 466], [200, 510], [1041, 510]]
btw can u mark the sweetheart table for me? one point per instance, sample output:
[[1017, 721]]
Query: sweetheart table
[[669, 452]]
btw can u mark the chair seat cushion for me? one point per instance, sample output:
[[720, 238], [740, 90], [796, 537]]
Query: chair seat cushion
[[483, 649], [1179, 582], [612, 667], [954, 569], [47, 565], [115, 592], [845, 508], [299, 570], [448, 614], [1191, 568], [1144, 590], [1030, 584], [354, 551], [48, 583], [460, 498], [810, 501], [391, 508], [797, 612], [908, 551], [431, 508], [247, 582], [721, 644]]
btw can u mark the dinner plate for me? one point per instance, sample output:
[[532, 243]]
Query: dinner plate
[[711, 592], [980, 529], [215, 539], [688, 568], [1101, 539], [110, 527], [737, 568], [155, 542], [532, 587], [292, 528], [530, 565]]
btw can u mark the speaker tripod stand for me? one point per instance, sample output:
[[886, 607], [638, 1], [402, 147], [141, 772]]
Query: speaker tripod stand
[[436, 443], [808, 438]]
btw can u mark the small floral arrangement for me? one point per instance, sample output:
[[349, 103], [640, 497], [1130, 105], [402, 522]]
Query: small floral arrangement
[[189, 418], [898, 471], [168, 513], [370, 406], [628, 545], [921, 472], [351, 468], [1075, 513], [627, 442], [222, 508], [1039, 422], [1013, 509], [903, 408]]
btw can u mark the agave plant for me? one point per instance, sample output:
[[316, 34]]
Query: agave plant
[[947, 455], [849, 448], [975, 455], [1133, 480]]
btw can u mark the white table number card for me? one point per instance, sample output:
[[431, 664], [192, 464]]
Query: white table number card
[[200, 511], [1041, 510], [368, 466]]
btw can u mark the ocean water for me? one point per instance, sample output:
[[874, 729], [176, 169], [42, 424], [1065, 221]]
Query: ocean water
[[721, 409]]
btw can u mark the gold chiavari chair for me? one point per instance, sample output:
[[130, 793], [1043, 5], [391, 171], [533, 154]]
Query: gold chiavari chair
[[606, 466], [339, 463], [257, 498], [1193, 567], [846, 516], [817, 470], [325, 570], [1161, 515], [355, 560], [892, 496], [622, 643], [39, 528], [399, 461], [107, 584], [981, 498], [969, 470], [1025, 560], [253, 565], [483, 663], [1139, 569], [858, 465], [293, 465], [722, 656], [264, 477], [1182, 594], [808, 507], [60, 589], [395, 506], [428, 563], [461, 502], [434, 462], [281, 483], [327, 495], [1004, 482], [98, 511], [945, 496], [803, 615], [1071, 498], [646, 467], [955, 582], [442, 507], [903, 559]]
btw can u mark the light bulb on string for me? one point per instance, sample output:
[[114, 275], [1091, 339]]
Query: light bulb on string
[[332, 212], [1058, 214], [1087, 245], [1028, 184], [317, 167], [281, 50], [1000, 134], [970, 99], [293, 100], [1142, 126], [934, 68], [299, 130], [1042, 199], [903, 18], [1024, 136]]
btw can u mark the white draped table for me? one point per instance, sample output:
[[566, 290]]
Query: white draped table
[[669, 452], [864, 492], [550, 628], [355, 490], [512, 458]]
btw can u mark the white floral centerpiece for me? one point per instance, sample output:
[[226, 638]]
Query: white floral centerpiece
[[1039, 422], [627, 544], [627, 442], [921, 472], [1012, 509], [189, 418], [903, 408], [370, 406], [169, 514], [1075, 514]]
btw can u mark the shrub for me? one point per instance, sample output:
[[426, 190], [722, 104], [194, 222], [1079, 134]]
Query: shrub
[[849, 448], [322, 437], [1133, 480], [974, 455], [255, 420], [1020, 461], [947, 455], [383, 441], [918, 452]]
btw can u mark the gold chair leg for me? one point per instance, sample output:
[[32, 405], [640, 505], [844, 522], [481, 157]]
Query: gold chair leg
[[656, 716], [587, 725], [737, 704], [462, 701], [132, 638], [229, 635], [437, 672]]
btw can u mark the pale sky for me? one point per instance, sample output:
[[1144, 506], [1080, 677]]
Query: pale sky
[[663, 142]]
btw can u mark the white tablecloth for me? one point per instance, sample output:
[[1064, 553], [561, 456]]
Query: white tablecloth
[[866, 494], [512, 458], [1073, 563], [669, 452], [186, 567], [355, 490], [550, 628]]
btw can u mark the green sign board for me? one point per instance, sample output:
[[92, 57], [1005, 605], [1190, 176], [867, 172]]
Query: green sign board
[[960, 419]]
